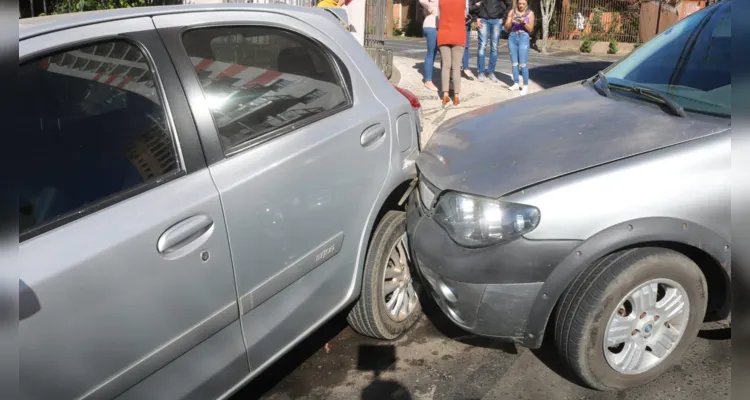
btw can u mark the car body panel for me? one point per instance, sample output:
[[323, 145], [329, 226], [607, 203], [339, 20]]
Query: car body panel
[[625, 234], [204, 372], [598, 211], [100, 287], [306, 212], [92, 289], [503, 148], [690, 181], [210, 332], [606, 173]]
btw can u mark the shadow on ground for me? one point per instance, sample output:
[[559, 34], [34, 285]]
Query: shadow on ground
[[716, 334], [436, 79], [379, 358], [549, 76], [291, 361], [325, 358]]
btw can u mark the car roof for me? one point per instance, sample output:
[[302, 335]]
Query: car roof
[[30, 27]]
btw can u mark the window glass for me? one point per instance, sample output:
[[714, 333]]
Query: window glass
[[690, 62], [259, 79], [95, 119]]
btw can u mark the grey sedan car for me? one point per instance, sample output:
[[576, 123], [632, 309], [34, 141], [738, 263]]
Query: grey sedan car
[[207, 186], [596, 213]]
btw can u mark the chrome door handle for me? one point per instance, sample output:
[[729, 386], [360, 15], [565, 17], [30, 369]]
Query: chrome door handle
[[183, 233], [372, 134]]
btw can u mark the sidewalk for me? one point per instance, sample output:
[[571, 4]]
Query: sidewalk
[[474, 94]]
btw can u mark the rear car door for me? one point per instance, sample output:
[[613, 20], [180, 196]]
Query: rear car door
[[124, 255], [298, 147]]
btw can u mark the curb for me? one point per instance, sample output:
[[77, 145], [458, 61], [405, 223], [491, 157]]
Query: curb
[[395, 76]]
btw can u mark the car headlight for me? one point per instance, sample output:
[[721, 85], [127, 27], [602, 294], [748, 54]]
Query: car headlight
[[473, 221]]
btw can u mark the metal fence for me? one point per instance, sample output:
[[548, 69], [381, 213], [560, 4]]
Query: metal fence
[[597, 20]]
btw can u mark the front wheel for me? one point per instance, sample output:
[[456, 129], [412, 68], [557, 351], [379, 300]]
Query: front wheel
[[389, 304], [630, 317]]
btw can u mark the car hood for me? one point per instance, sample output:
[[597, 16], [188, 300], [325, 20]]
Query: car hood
[[508, 146]]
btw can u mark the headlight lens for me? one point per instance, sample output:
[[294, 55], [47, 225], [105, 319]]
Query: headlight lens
[[474, 221]]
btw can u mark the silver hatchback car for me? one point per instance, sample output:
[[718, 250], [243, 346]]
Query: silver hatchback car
[[208, 185], [597, 212]]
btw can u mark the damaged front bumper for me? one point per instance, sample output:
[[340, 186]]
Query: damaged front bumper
[[488, 291]]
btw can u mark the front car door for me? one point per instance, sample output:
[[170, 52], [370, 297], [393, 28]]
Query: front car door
[[299, 148], [123, 246]]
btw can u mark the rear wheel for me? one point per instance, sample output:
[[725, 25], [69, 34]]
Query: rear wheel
[[389, 304], [630, 317]]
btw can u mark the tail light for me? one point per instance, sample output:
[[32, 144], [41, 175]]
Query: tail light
[[417, 106]]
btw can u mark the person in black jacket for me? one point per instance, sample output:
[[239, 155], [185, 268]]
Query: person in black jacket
[[491, 15]]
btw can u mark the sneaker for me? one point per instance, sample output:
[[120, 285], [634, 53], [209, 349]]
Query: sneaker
[[494, 79], [514, 87], [481, 78], [469, 75], [430, 85], [524, 90]]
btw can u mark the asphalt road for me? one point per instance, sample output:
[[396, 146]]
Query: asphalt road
[[438, 361], [548, 70]]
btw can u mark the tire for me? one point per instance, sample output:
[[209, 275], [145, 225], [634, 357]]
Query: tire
[[370, 316], [592, 299]]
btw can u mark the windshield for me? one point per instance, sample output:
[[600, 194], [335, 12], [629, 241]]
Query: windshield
[[689, 62]]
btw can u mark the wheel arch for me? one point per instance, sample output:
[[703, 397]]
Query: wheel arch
[[702, 245], [390, 203]]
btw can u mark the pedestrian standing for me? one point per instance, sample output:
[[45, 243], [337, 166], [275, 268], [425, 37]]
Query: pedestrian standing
[[520, 24], [451, 39], [471, 18], [429, 28], [491, 15]]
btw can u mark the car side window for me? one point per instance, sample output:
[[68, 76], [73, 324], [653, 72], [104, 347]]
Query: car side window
[[259, 80], [95, 119]]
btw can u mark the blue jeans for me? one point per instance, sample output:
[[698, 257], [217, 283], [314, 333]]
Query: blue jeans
[[496, 26], [429, 60], [518, 44], [465, 61]]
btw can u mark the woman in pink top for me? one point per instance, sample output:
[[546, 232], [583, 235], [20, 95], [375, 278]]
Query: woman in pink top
[[429, 27]]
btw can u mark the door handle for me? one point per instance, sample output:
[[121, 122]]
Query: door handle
[[183, 233], [372, 134]]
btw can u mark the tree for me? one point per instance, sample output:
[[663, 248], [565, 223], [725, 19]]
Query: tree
[[548, 9]]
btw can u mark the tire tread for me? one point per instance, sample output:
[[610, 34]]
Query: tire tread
[[363, 317]]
